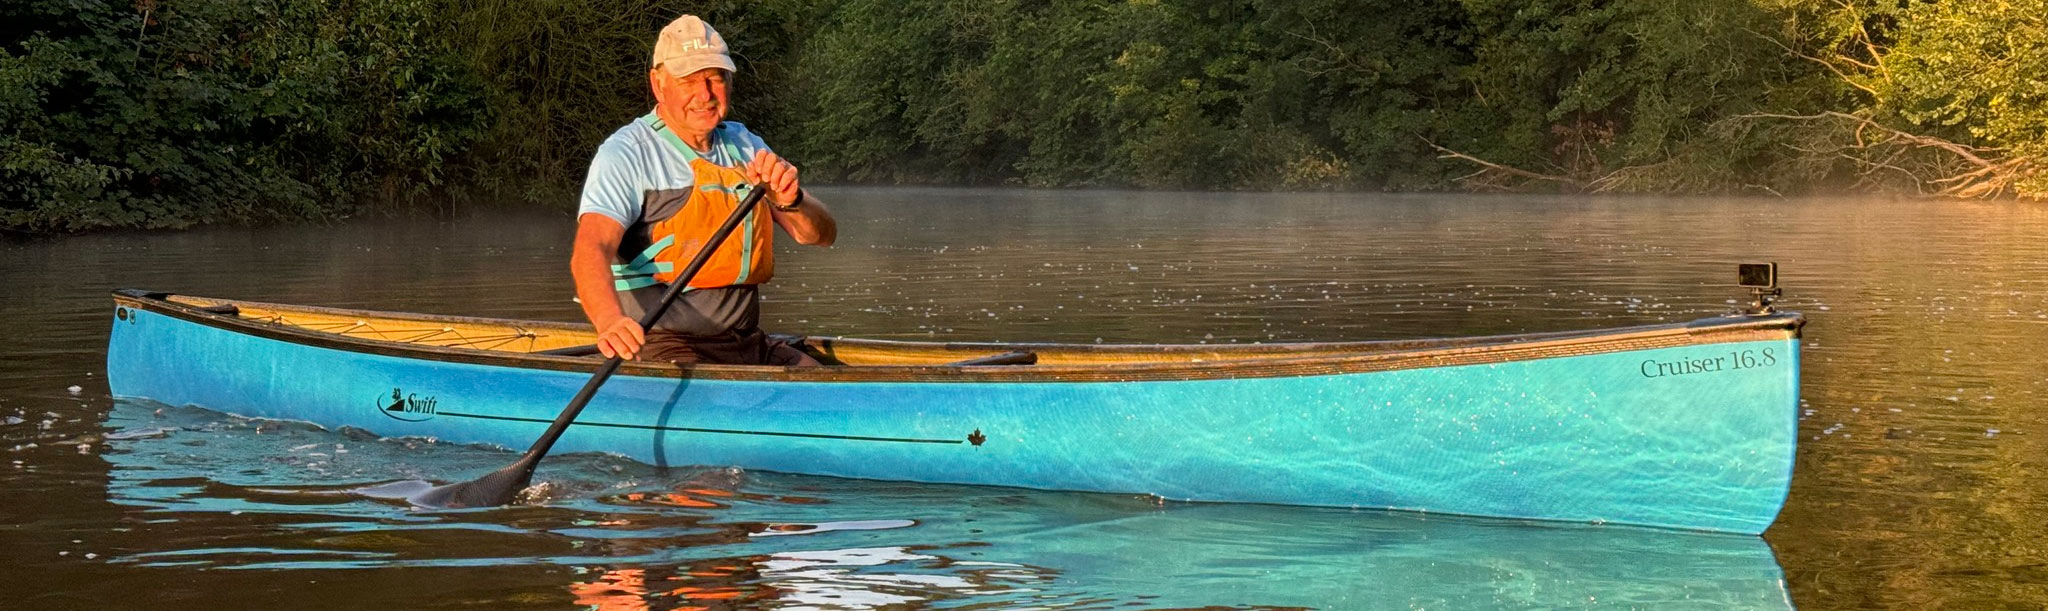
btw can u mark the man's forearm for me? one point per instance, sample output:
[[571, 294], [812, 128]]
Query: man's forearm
[[810, 223], [593, 274]]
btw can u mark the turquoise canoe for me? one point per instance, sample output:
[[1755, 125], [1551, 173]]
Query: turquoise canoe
[[1686, 425]]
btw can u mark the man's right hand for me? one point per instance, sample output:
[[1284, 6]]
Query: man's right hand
[[596, 249], [622, 337]]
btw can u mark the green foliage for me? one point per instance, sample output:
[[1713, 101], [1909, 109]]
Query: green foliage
[[1588, 85], [1977, 69], [1154, 94], [561, 75], [140, 114], [226, 110], [855, 85], [1303, 94], [1934, 97]]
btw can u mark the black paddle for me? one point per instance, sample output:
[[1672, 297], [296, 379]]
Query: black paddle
[[502, 485]]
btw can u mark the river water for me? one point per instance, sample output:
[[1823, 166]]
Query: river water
[[1919, 483]]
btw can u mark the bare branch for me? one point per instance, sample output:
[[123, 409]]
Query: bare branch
[[1846, 78], [1343, 56], [1967, 152], [1766, 189], [1966, 171], [1444, 153]]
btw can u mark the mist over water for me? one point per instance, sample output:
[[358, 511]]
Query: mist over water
[[1917, 484]]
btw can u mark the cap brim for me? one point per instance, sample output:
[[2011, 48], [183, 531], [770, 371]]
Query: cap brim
[[688, 68]]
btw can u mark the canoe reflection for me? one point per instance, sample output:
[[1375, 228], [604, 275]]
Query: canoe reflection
[[635, 537]]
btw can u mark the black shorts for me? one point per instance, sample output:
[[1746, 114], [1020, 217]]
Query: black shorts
[[735, 348]]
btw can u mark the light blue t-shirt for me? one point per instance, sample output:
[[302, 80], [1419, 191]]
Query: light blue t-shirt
[[637, 160]]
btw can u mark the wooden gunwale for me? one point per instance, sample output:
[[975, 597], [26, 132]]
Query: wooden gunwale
[[1116, 363]]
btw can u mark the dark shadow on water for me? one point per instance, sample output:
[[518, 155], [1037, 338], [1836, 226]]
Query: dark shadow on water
[[668, 408]]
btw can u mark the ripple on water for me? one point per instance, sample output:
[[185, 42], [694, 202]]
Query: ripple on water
[[1936, 310]]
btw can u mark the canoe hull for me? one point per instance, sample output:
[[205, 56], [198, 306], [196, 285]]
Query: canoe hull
[[1670, 437]]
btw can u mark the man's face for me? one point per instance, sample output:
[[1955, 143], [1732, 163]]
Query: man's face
[[698, 100]]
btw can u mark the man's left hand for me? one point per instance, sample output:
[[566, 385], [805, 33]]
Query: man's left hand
[[772, 172]]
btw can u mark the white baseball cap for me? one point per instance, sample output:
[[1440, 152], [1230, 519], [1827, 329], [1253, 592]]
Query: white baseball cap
[[688, 45]]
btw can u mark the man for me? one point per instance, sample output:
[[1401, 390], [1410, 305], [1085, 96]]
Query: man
[[658, 188]]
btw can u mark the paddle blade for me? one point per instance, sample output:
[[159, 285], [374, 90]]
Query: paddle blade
[[498, 488]]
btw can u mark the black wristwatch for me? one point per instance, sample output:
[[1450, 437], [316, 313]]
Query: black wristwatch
[[793, 204]]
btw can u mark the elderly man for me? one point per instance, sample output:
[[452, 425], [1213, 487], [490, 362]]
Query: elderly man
[[658, 188]]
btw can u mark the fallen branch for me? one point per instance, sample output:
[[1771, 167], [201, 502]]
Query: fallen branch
[[1486, 166], [1622, 179], [1990, 173]]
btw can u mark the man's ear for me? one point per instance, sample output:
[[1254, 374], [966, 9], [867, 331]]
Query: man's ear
[[657, 83]]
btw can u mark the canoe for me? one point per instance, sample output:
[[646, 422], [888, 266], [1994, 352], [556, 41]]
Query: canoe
[[1681, 425]]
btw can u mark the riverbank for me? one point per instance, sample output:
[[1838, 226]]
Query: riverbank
[[239, 111]]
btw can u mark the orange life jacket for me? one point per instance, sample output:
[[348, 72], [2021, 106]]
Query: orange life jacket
[[674, 227]]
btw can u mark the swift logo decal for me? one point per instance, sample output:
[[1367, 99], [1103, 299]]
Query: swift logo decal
[[407, 407]]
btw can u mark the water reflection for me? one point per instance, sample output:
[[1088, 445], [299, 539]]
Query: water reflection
[[635, 537], [1922, 445]]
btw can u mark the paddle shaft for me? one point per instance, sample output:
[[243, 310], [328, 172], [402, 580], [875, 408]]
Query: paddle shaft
[[611, 365], [502, 486]]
